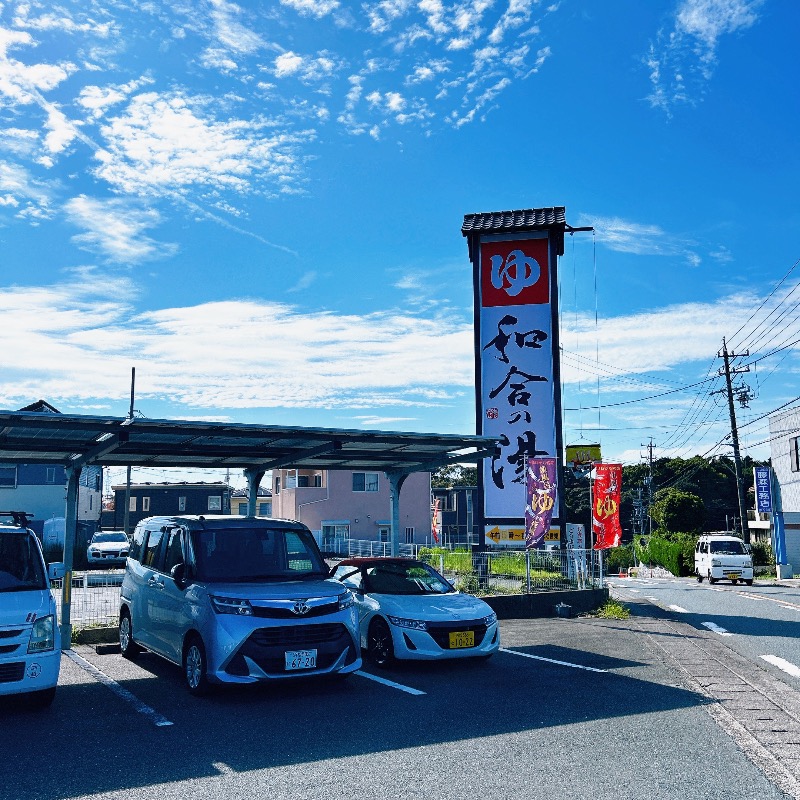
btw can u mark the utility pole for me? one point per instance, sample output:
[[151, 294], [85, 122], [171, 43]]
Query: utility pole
[[127, 512], [649, 447], [727, 371]]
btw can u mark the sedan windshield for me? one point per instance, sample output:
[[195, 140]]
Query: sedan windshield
[[21, 567], [405, 578], [255, 554]]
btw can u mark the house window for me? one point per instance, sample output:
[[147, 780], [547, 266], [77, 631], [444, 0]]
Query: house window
[[291, 480], [132, 504], [243, 509], [794, 453], [383, 534], [409, 536], [365, 481], [277, 485], [91, 497], [8, 477], [51, 475], [265, 509], [215, 503], [448, 501], [334, 531], [318, 481], [181, 504], [302, 482], [145, 504]]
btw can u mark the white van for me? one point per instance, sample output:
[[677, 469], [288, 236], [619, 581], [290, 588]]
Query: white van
[[30, 641], [720, 556]]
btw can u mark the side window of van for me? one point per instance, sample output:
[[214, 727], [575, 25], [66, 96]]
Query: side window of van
[[174, 554], [152, 549], [137, 548]]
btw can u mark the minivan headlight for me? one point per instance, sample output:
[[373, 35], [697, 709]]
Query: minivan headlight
[[345, 601], [231, 605], [413, 624], [715, 562], [42, 635]]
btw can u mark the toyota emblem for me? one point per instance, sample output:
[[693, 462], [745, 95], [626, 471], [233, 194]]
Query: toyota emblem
[[300, 607]]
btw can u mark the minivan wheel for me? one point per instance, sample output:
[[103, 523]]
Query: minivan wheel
[[127, 646], [699, 577], [195, 668], [379, 643]]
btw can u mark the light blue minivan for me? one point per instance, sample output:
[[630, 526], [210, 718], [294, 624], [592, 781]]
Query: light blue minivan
[[235, 600]]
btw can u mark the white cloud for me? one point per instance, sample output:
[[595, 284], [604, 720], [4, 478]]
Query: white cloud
[[682, 60], [312, 8], [115, 228]]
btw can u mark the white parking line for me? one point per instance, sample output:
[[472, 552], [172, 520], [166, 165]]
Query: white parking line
[[637, 591], [386, 682], [552, 660], [714, 628], [123, 694], [782, 663], [679, 609]]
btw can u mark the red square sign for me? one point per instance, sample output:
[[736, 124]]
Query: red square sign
[[515, 273]]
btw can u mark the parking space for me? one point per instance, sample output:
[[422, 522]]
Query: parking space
[[534, 713]]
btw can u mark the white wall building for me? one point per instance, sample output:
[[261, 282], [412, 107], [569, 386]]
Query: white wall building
[[784, 435]]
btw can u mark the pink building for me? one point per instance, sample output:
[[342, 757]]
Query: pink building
[[340, 504]]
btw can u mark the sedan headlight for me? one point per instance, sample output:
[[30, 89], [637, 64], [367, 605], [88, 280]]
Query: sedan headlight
[[231, 605], [42, 635], [490, 620], [413, 624], [346, 601]]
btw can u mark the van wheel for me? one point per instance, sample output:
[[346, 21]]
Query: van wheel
[[749, 582], [710, 579], [195, 667], [734, 581], [699, 577], [127, 646]]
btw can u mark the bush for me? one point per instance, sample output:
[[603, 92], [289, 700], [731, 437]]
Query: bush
[[762, 554], [673, 551], [619, 558]]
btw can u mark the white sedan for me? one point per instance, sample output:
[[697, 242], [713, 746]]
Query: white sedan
[[407, 610]]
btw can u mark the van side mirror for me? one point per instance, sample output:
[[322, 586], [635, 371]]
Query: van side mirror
[[55, 571], [180, 574]]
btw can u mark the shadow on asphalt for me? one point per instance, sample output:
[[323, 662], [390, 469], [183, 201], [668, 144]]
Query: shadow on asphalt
[[92, 742]]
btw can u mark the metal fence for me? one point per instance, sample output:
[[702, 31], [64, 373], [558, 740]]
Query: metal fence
[[94, 598]]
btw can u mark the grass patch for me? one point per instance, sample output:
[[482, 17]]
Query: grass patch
[[611, 609]]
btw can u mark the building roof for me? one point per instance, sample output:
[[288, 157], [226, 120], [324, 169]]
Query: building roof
[[41, 407], [519, 221], [78, 440]]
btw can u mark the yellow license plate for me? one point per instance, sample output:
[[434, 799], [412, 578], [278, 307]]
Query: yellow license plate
[[460, 639]]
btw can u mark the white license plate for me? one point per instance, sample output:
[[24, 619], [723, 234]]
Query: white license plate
[[301, 659]]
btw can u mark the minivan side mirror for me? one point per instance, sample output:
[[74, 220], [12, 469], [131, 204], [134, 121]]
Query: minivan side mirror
[[180, 574], [55, 571]]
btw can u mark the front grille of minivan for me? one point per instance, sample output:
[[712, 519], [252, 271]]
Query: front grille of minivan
[[266, 647], [271, 612], [12, 672]]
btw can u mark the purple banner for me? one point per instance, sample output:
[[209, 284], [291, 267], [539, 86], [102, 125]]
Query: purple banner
[[541, 491]]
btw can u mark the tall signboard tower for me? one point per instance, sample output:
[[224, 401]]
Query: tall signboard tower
[[517, 373]]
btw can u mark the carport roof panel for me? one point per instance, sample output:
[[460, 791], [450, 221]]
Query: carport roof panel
[[29, 437]]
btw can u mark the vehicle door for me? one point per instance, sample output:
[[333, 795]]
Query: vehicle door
[[703, 564], [353, 579], [170, 612], [151, 586]]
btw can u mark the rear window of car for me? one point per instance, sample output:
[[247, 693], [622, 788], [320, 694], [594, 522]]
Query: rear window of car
[[21, 567]]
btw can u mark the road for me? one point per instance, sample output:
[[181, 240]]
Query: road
[[571, 708], [761, 622]]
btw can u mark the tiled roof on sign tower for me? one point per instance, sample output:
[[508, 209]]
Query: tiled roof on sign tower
[[526, 219]]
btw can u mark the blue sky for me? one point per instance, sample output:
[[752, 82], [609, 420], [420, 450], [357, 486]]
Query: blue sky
[[258, 205]]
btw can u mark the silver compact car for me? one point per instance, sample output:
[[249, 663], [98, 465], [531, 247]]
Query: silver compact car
[[235, 600]]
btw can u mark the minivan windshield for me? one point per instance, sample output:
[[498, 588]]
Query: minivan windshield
[[255, 554], [733, 547], [21, 568]]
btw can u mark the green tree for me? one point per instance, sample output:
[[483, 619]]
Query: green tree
[[675, 511], [454, 475]]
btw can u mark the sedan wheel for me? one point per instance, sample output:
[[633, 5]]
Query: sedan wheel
[[379, 643]]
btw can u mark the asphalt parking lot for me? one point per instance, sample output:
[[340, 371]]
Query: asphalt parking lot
[[569, 708]]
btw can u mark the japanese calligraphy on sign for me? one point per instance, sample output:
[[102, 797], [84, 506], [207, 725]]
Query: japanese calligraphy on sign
[[516, 366], [763, 490]]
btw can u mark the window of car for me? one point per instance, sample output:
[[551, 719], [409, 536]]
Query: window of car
[[251, 554], [728, 546], [137, 547], [349, 575], [21, 567], [152, 549], [118, 537], [174, 551], [412, 577]]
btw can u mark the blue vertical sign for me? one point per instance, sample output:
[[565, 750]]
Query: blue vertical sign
[[763, 490]]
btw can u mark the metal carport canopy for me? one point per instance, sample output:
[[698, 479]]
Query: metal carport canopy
[[77, 440], [28, 437]]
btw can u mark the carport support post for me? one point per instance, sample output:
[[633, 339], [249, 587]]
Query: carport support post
[[396, 481], [70, 528], [254, 477]]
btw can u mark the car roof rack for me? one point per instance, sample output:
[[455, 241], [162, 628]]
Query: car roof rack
[[20, 518]]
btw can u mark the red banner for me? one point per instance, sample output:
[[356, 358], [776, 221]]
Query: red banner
[[606, 494]]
